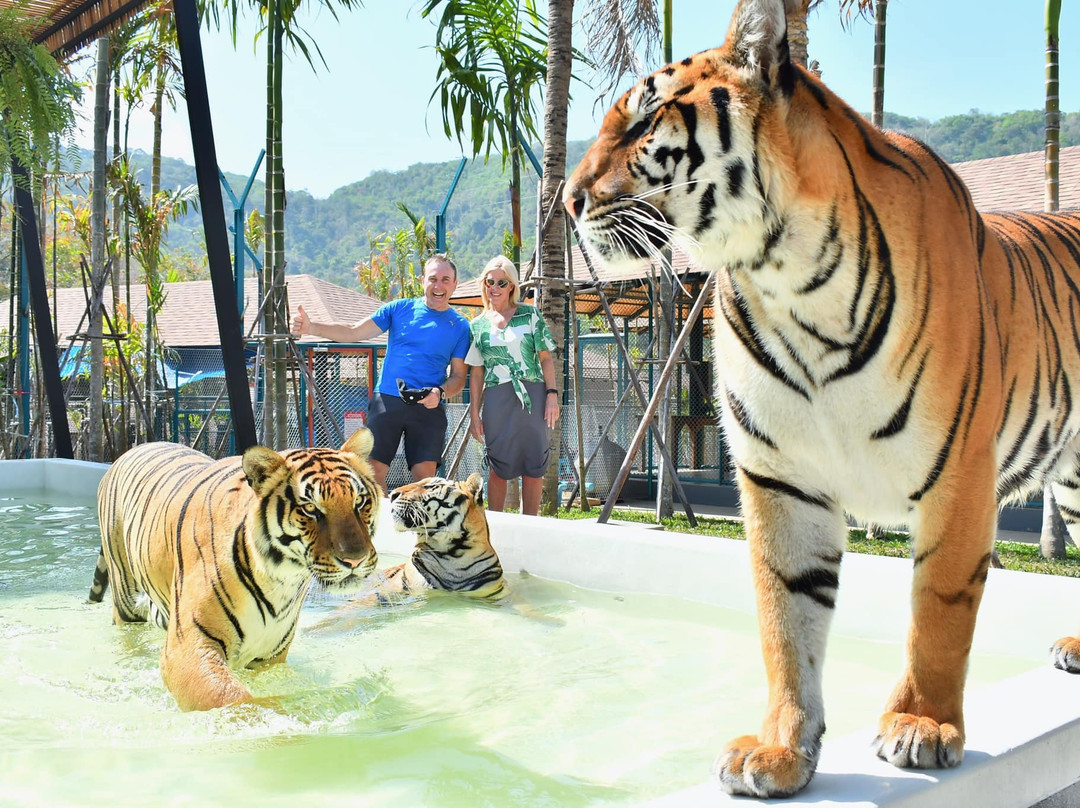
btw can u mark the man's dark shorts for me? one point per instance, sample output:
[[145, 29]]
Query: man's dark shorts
[[424, 429]]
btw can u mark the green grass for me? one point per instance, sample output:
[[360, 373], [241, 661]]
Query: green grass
[[1013, 555]]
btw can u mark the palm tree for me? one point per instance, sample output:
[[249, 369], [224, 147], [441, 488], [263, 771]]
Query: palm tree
[[283, 29], [492, 58], [102, 79], [166, 68], [560, 58], [131, 60], [151, 53], [622, 37], [1052, 539]]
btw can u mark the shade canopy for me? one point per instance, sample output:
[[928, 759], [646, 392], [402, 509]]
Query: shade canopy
[[64, 26]]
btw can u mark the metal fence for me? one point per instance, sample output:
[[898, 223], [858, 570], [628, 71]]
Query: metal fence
[[330, 394], [611, 413], [344, 375]]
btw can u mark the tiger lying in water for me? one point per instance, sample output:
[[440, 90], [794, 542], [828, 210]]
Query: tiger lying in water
[[453, 544], [453, 553], [221, 553]]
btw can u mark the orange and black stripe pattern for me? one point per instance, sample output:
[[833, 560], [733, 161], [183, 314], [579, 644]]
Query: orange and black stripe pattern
[[221, 553], [883, 350]]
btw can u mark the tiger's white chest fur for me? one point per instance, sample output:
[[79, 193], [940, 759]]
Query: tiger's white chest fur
[[264, 626], [803, 394], [266, 636]]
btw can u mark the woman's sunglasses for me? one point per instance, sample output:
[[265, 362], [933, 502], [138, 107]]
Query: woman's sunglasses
[[502, 283]]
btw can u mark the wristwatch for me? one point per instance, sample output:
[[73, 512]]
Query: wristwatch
[[442, 393], [551, 390]]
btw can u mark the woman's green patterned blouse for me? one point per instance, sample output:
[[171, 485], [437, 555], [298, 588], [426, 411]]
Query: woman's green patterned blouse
[[511, 354]]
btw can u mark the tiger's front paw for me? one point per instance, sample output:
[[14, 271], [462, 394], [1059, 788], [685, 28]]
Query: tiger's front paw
[[1065, 654], [748, 767], [917, 742]]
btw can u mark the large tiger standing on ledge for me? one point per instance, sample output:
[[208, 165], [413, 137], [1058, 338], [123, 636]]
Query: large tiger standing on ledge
[[221, 553], [882, 348]]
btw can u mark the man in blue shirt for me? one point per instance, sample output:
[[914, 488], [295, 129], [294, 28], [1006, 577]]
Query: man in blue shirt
[[424, 336]]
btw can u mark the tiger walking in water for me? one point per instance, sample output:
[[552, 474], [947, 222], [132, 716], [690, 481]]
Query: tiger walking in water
[[221, 553], [882, 348]]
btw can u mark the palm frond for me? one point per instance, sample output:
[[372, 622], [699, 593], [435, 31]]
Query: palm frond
[[623, 40]]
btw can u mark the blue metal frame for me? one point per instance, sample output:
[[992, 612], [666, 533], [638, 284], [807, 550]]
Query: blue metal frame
[[239, 245], [440, 217]]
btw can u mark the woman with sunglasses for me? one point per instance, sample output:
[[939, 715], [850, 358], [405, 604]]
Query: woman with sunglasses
[[513, 374]]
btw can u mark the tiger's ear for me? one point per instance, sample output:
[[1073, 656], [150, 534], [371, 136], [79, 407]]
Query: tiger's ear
[[360, 443], [474, 487], [260, 468], [758, 40]]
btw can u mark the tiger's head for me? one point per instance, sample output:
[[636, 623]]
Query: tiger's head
[[711, 153], [441, 511], [453, 545], [315, 510]]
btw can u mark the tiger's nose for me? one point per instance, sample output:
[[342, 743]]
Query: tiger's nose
[[574, 201], [395, 494], [353, 563]]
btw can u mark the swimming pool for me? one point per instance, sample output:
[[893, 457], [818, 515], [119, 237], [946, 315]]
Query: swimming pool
[[653, 664]]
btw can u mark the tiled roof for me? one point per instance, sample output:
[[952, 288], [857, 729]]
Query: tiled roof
[[626, 292], [188, 318], [1017, 181]]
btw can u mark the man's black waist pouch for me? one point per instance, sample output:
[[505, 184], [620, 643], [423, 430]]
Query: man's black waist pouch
[[411, 395]]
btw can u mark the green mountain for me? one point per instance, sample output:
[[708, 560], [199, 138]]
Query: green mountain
[[326, 237], [977, 136]]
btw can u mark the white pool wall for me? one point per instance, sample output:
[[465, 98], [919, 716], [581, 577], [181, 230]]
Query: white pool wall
[[1023, 733], [52, 474]]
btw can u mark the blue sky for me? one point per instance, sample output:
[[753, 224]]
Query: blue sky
[[368, 108]]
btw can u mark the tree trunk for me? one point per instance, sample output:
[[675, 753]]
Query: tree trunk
[[155, 186], [553, 258], [279, 398], [1053, 113], [1052, 540], [665, 490], [121, 441], [159, 99], [273, 14], [515, 192], [798, 38], [880, 7], [96, 444]]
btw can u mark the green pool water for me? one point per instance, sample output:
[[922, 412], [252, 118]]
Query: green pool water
[[611, 700]]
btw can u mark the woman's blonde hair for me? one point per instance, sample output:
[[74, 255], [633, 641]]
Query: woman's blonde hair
[[507, 266]]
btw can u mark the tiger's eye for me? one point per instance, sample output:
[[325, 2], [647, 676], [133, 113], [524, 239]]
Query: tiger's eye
[[310, 508]]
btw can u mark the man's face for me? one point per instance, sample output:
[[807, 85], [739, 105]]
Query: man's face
[[439, 283]]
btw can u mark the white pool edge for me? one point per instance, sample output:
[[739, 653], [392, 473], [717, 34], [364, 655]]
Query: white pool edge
[[1023, 732]]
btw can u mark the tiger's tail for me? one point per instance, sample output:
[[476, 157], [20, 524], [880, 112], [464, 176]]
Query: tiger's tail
[[101, 579]]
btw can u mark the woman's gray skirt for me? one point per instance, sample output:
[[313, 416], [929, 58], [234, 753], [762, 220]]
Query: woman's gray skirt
[[517, 440]]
